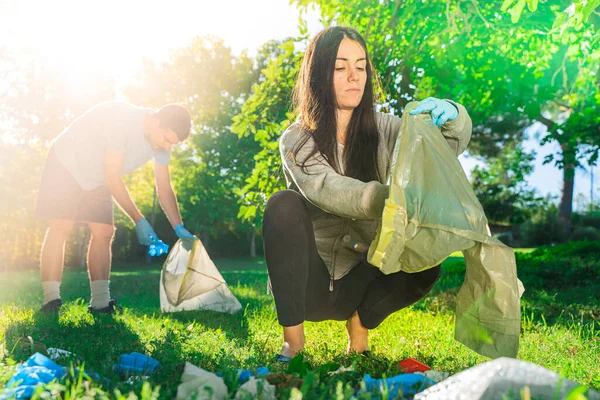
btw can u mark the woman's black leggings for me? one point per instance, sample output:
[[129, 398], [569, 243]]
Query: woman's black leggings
[[300, 279]]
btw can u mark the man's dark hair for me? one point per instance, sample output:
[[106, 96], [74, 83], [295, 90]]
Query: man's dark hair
[[177, 118]]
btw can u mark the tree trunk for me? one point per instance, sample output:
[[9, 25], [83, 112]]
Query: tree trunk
[[152, 220], [565, 209], [253, 243]]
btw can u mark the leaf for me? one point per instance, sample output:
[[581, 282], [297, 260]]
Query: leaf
[[515, 12], [287, 47], [577, 393], [532, 5], [589, 8], [548, 159], [506, 5], [559, 21], [298, 366]]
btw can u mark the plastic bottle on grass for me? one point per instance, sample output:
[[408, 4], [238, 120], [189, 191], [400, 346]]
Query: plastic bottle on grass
[[157, 248]]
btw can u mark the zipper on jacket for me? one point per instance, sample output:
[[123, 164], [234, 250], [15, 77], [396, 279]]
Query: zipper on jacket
[[334, 253]]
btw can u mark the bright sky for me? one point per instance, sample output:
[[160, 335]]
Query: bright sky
[[113, 35]]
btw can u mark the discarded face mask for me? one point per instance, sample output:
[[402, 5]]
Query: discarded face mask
[[432, 212]]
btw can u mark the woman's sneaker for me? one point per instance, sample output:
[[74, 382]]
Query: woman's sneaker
[[111, 308], [52, 306]]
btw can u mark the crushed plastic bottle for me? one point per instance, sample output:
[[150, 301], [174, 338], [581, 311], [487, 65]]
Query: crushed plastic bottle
[[157, 248]]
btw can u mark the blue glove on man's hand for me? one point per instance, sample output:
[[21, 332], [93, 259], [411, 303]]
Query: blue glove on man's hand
[[441, 110], [183, 233], [145, 233]]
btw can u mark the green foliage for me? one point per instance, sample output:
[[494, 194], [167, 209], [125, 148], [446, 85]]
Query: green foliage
[[264, 117], [501, 186], [542, 68], [569, 266], [587, 250], [558, 289], [544, 227], [591, 219], [585, 233]]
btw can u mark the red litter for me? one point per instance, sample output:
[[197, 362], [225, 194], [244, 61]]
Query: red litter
[[411, 365]]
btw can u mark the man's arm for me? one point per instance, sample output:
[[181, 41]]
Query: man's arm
[[166, 195], [112, 178]]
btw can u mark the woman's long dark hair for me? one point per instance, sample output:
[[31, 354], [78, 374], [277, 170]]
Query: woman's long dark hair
[[314, 97]]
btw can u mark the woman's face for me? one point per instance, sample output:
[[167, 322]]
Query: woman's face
[[350, 75]]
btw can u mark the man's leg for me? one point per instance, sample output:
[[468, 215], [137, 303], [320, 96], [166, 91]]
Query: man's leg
[[52, 258], [99, 262]]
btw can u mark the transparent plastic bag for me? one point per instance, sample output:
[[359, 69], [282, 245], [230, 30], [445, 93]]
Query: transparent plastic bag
[[191, 281]]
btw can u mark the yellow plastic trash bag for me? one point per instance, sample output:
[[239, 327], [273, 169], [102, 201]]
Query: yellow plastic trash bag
[[432, 212], [190, 281]]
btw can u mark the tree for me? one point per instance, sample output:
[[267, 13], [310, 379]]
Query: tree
[[264, 116], [501, 186], [418, 49], [546, 60]]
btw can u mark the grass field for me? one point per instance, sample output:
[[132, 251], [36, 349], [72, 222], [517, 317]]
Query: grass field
[[560, 320]]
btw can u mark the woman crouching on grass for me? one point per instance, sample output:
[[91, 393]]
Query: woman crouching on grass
[[337, 160]]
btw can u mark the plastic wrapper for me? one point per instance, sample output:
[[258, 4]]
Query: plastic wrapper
[[432, 212], [505, 378]]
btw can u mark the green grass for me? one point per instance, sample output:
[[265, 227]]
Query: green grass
[[561, 314]]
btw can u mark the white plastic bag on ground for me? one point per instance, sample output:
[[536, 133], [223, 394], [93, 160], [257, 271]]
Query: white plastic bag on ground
[[199, 384], [190, 281], [251, 389], [503, 378]]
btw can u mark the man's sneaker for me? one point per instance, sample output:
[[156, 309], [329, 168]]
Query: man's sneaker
[[111, 308], [52, 306]]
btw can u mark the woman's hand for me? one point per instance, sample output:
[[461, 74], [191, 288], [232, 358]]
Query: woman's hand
[[441, 110]]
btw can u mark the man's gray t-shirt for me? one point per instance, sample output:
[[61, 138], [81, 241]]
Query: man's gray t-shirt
[[114, 125]]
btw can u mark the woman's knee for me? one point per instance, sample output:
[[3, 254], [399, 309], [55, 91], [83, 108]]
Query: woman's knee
[[284, 205]]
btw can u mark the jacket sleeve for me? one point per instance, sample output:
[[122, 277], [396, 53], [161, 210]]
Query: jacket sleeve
[[457, 132], [320, 184]]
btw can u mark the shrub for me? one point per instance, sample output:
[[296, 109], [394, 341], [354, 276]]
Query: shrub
[[585, 233], [543, 228]]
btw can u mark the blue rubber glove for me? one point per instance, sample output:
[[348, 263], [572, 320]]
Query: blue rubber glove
[[183, 233], [441, 110], [145, 233]]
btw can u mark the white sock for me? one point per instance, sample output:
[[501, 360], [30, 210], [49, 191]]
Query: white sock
[[100, 294], [51, 291]]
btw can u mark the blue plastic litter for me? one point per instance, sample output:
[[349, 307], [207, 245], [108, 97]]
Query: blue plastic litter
[[158, 248], [136, 363], [245, 374], [20, 392], [407, 384], [37, 370]]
